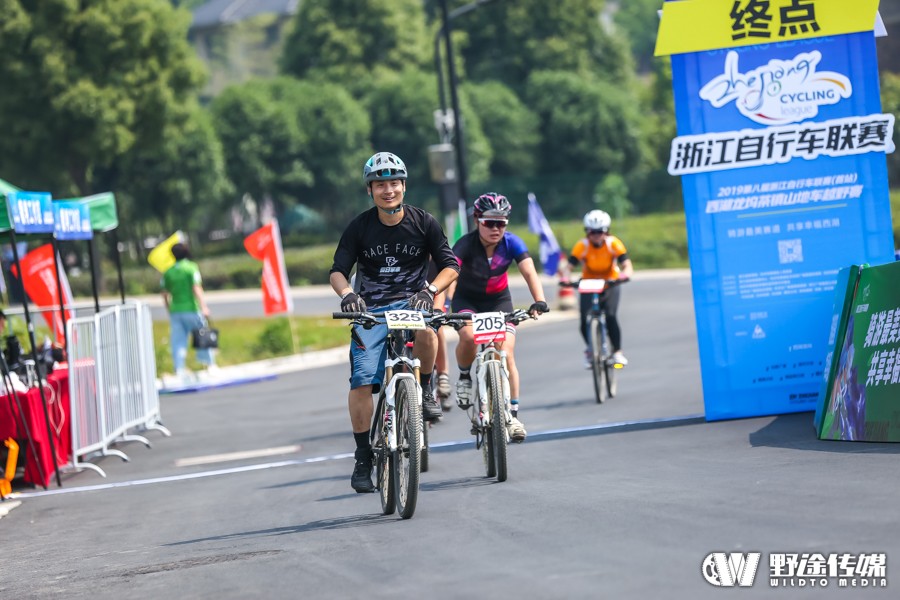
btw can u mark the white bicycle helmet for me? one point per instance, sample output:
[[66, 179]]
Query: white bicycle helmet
[[597, 220]]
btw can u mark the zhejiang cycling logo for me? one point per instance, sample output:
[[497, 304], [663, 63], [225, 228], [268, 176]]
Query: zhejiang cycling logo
[[780, 92], [729, 570]]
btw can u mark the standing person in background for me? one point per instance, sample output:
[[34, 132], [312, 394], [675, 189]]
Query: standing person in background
[[183, 296], [484, 256], [390, 245], [602, 256]]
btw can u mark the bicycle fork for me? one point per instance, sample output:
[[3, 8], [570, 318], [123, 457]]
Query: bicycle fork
[[483, 416], [390, 398]]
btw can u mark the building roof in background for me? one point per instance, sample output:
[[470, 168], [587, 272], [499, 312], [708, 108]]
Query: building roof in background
[[223, 12]]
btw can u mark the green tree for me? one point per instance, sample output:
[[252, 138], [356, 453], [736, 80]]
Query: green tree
[[639, 22], [507, 41], [402, 110], [587, 125], [511, 128], [348, 41], [294, 142], [262, 143], [85, 82], [652, 188], [179, 183], [890, 104], [336, 129]]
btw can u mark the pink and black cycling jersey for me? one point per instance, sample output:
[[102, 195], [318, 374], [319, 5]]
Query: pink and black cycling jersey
[[481, 280]]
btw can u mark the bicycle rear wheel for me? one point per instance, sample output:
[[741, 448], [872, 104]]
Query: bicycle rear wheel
[[384, 477], [596, 334], [385, 474], [406, 465], [498, 418], [425, 455]]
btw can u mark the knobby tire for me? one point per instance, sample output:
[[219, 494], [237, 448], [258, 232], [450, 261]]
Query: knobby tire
[[487, 438], [384, 473], [595, 333], [406, 465], [498, 418]]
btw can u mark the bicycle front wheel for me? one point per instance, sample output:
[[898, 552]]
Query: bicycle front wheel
[[595, 333], [498, 418], [406, 465], [610, 370]]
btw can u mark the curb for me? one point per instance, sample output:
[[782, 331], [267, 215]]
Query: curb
[[8, 505]]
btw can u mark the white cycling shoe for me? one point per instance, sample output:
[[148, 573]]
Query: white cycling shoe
[[464, 393], [516, 430], [619, 358]]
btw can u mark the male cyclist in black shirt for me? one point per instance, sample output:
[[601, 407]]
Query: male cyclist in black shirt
[[390, 245]]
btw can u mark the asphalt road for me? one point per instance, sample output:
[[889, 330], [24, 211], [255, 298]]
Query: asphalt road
[[621, 500]]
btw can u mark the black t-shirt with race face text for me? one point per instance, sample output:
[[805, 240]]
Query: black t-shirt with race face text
[[392, 261]]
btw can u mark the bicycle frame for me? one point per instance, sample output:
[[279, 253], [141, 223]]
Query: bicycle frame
[[488, 354], [490, 411], [411, 370]]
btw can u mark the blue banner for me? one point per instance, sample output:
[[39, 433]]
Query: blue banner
[[781, 150], [72, 220], [30, 212]]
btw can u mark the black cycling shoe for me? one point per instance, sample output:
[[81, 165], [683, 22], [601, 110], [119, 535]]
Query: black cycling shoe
[[431, 410], [361, 480]]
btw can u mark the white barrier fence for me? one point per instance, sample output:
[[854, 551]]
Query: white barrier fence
[[112, 381]]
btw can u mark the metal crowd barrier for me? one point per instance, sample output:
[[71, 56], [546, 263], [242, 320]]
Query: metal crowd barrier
[[112, 381]]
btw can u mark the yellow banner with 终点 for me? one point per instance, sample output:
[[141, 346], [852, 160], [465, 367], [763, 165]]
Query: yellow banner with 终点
[[697, 25]]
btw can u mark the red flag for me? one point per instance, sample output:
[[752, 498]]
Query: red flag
[[265, 244], [40, 285]]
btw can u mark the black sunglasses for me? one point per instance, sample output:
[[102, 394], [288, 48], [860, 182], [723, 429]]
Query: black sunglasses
[[491, 224], [597, 231]]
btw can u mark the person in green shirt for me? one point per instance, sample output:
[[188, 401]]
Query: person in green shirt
[[184, 299]]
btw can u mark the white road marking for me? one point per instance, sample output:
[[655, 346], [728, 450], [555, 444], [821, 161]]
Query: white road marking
[[217, 458], [305, 461]]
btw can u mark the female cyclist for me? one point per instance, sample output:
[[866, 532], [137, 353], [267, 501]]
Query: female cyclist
[[484, 255]]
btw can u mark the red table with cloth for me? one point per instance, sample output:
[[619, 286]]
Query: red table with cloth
[[56, 392]]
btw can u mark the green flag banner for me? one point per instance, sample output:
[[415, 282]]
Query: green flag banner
[[862, 399]]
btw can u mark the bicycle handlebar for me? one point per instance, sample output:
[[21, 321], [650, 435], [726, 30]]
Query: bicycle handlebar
[[367, 319]]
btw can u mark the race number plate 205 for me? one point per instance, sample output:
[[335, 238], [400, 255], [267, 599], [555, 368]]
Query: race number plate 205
[[404, 319], [489, 327]]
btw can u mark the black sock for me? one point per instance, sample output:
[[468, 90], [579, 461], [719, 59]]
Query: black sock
[[464, 373], [362, 441], [425, 379]]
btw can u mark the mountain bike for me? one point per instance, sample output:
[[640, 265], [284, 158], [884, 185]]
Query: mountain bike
[[489, 412], [603, 366], [397, 432]]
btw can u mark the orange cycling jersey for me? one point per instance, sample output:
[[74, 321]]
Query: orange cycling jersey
[[599, 262]]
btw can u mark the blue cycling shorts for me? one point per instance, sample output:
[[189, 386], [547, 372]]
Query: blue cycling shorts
[[367, 364]]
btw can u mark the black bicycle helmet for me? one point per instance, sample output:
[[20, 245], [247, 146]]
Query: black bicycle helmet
[[492, 204]]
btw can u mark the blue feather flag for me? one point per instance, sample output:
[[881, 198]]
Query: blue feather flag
[[549, 247]]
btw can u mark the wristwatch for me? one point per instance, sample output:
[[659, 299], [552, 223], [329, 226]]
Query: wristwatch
[[432, 288]]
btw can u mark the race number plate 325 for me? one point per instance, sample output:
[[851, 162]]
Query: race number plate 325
[[404, 319], [489, 327]]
